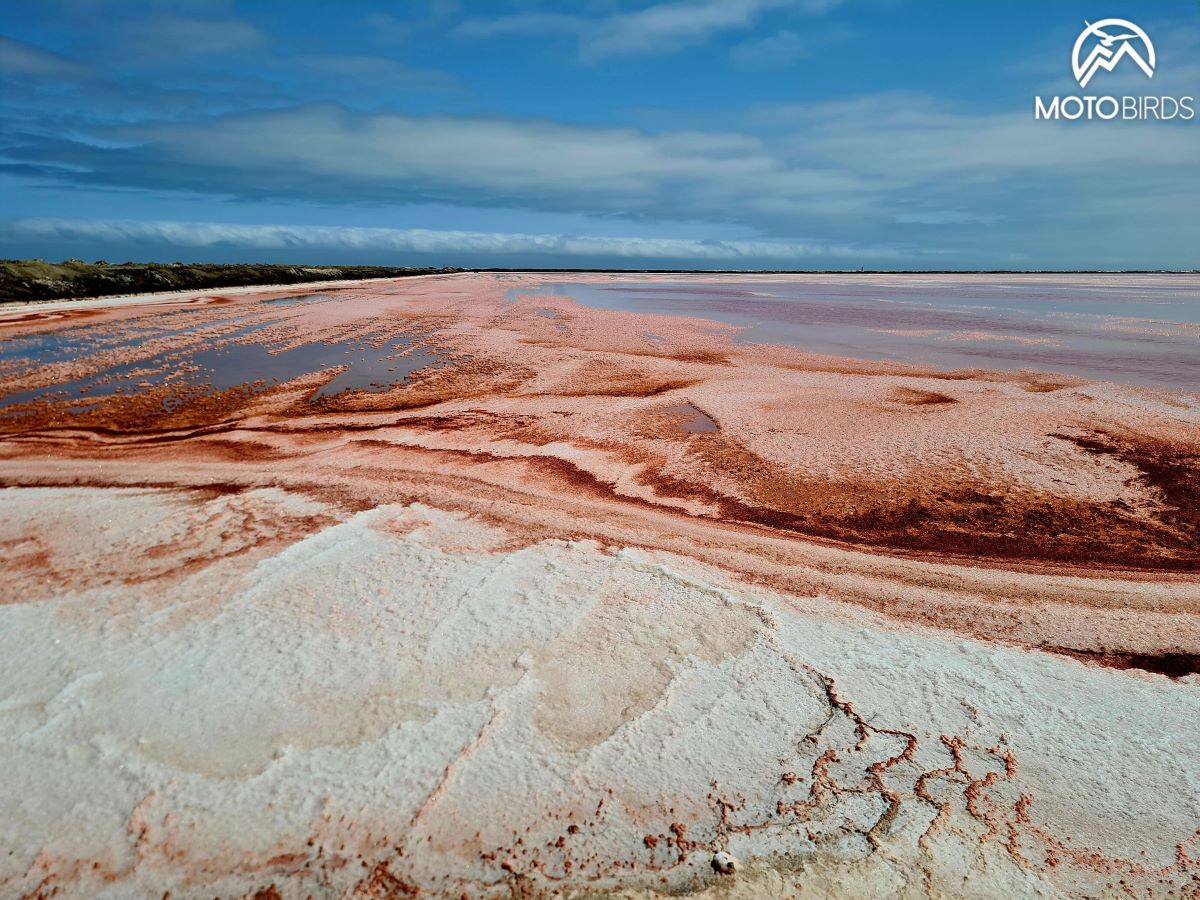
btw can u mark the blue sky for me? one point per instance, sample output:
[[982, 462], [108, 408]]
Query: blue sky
[[614, 133]]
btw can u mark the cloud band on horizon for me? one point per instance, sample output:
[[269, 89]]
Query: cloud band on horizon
[[420, 240]]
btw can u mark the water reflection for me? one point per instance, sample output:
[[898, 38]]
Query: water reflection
[[1122, 329], [206, 356]]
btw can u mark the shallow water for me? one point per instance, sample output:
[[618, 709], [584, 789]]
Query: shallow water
[[1125, 329], [691, 419], [205, 356]]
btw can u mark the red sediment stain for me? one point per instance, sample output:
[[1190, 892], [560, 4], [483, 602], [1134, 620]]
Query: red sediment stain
[[1172, 665], [48, 317], [914, 397], [854, 453]]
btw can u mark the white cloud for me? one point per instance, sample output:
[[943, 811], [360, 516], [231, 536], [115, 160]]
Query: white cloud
[[529, 23], [943, 217], [351, 69], [668, 26], [172, 36], [774, 51], [19, 58], [902, 139], [417, 240], [491, 161], [388, 29], [654, 29]]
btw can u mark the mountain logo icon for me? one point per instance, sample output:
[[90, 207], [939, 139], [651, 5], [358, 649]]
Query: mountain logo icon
[[1115, 39]]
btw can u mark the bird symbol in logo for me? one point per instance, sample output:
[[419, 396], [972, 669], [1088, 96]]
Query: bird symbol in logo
[[1107, 39]]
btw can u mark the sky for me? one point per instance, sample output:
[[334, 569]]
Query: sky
[[728, 134]]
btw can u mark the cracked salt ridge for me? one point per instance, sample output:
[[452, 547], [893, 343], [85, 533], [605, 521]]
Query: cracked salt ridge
[[844, 318], [228, 364]]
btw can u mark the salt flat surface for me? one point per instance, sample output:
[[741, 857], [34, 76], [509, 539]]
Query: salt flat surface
[[588, 602]]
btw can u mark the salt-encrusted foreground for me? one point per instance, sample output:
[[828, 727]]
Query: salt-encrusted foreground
[[396, 702]]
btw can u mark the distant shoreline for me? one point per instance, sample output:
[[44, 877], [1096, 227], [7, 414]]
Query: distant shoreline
[[37, 281], [843, 271]]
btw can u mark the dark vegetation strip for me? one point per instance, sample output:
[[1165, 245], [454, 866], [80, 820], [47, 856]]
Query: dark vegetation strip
[[25, 280]]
